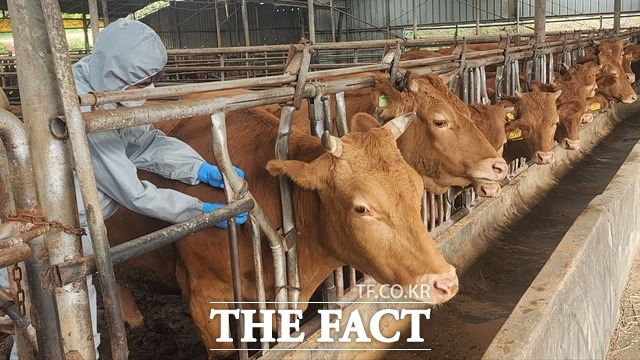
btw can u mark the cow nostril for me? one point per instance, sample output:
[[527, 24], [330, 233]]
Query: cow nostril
[[499, 168]]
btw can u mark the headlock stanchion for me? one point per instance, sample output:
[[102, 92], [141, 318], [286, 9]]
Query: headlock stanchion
[[320, 84]]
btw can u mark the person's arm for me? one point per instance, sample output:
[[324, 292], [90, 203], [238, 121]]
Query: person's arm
[[116, 176], [151, 150]]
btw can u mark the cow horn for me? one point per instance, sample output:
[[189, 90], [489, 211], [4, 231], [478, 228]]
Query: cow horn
[[565, 67], [332, 144], [518, 94], [448, 76], [400, 124]]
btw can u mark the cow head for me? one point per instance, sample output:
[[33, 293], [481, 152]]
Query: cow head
[[613, 84], [532, 131], [631, 54], [491, 120], [371, 196], [442, 144]]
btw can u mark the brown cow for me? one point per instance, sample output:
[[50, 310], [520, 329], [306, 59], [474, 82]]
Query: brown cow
[[612, 82], [357, 203], [531, 133], [443, 144], [491, 120], [437, 155], [578, 84]]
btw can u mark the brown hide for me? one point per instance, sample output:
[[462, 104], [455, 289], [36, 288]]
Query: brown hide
[[612, 81], [577, 85], [438, 159], [419, 54], [491, 121], [442, 144], [536, 118], [360, 208]]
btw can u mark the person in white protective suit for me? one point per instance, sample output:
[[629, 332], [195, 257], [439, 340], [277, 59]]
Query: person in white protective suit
[[129, 55]]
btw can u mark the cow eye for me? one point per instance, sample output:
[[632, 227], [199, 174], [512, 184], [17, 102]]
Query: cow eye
[[439, 123], [361, 210]]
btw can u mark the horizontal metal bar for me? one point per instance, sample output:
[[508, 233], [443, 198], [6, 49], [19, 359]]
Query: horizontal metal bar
[[69, 271], [100, 98]]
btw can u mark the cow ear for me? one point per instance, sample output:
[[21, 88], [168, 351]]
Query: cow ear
[[362, 122], [384, 94], [597, 103], [537, 86], [517, 130], [607, 80], [305, 175], [570, 108]]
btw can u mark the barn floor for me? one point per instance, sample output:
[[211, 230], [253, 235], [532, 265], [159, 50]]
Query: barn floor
[[625, 342], [493, 285]]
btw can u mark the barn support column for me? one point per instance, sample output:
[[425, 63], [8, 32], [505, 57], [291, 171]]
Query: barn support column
[[312, 22], [388, 16], [341, 20], [415, 20], [617, 7], [105, 12], [52, 167], [539, 20], [95, 19], [66, 102], [218, 32], [85, 28], [245, 23], [333, 22], [477, 17]]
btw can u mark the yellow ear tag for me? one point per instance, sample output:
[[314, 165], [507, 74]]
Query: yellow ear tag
[[629, 56], [516, 134], [383, 101], [595, 106], [510, 116]]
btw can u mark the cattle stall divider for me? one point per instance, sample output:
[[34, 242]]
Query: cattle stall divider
[[289, 89]]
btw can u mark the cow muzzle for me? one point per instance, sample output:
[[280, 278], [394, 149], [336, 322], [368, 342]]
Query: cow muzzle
[[442, 287], [543, 157], [570, 144], [489, 170], [489, 190], [630, 99], [587, 118]]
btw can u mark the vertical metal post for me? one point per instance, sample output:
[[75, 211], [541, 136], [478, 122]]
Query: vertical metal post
[[7, 207], [61, 63], [286, 201], [105, 12], [617, 7], [85, 28], [539, 20], [388, 18], [333, 22], [415, 19], [245, 23], [477, 17], [95, 19], [218, 33], [341, 21], [38, 86], [517, 5], [176, 20], [312, 22]]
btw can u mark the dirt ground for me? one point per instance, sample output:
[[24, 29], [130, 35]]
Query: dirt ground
[[625, 342], [168, 331]]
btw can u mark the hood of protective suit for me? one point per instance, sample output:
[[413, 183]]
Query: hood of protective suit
[[125, 52]]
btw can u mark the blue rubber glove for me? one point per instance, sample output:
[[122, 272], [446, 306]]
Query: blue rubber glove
[[209, 207], [211, 175]]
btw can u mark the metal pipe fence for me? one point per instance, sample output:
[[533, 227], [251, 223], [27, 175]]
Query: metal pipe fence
[[297, 83]]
